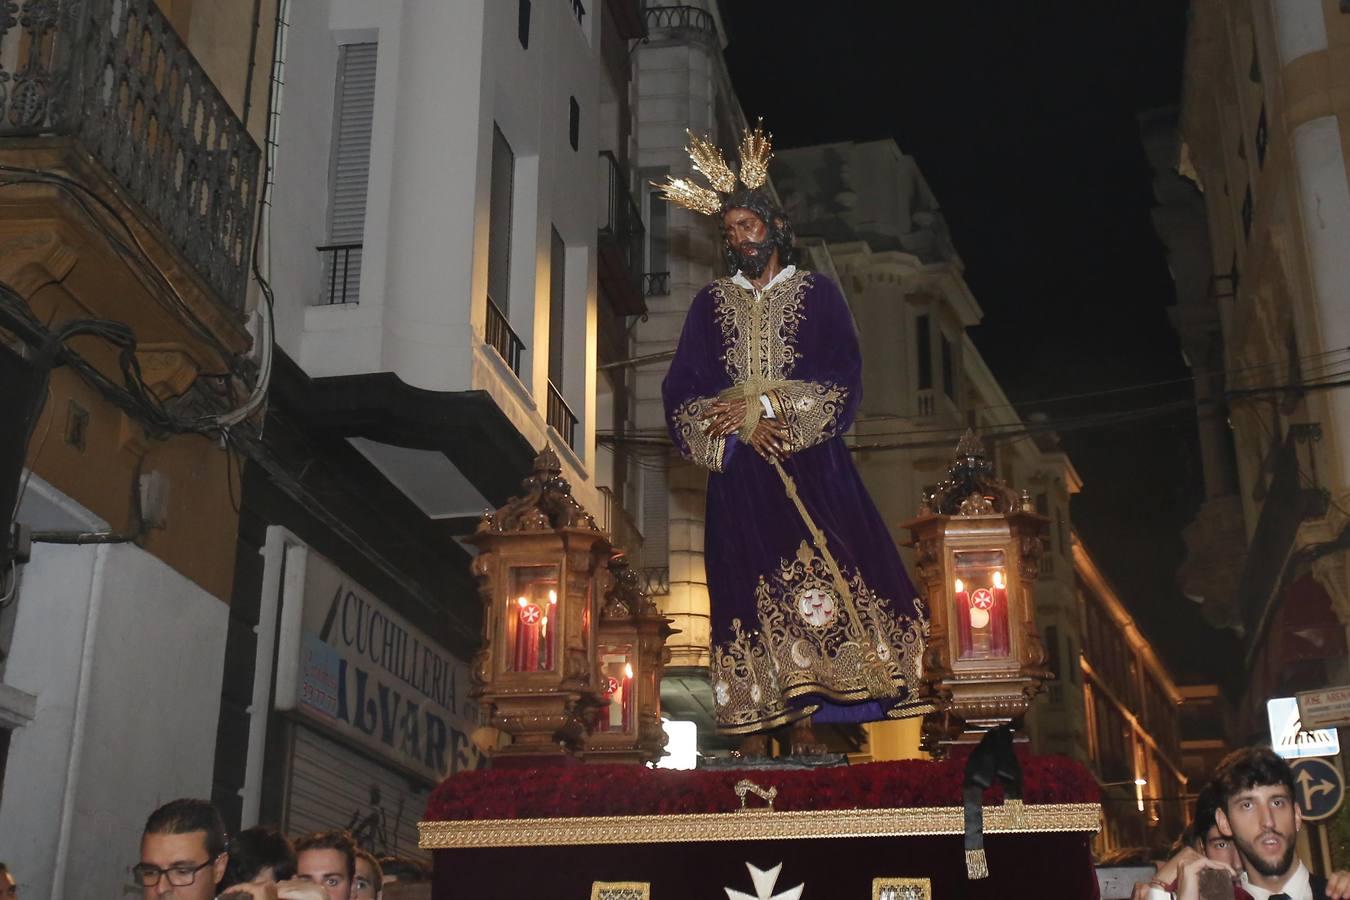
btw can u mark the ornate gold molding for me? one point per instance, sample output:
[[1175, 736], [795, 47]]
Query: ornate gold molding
[[752, 825]]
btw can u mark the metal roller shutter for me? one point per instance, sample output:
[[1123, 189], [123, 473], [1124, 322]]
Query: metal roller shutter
[[334, 787]]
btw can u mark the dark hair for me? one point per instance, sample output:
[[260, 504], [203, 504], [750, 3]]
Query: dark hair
[[762, 205], [255, 849], [1129, 857], [1206, 804], [374, 864], [186, 816], [1247, 768], [340, 841], [404, 870]]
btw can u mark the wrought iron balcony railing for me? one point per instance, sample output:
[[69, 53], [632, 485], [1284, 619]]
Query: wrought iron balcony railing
[[680, 16], [656, 284], [655, 580], [116, 77], [342, 273], [502, 338], [560, 416]]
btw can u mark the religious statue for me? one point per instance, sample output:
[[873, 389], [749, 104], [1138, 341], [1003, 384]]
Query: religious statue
[[813, 614]]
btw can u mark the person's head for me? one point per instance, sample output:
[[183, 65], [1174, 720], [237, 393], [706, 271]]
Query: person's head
[[1257, 809], [182, 851], [1203, 835], [369, 877], [260, 856], [9, 888], [403, 870], [328, 859], [757, 233]]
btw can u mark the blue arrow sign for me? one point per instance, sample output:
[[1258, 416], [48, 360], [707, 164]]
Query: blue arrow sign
[[1319, 788]]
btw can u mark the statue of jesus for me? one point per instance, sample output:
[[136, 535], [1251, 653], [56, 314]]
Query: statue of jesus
[[813, 615]]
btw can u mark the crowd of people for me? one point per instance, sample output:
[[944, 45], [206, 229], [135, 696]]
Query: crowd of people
[[186, 855], [1243, 839]]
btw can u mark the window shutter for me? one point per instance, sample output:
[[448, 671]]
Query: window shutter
[[353, 113]]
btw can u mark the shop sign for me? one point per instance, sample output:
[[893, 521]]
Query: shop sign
[[356, 668]]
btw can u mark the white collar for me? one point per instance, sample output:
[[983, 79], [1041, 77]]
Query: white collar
[[741, 281], [1297, 887]]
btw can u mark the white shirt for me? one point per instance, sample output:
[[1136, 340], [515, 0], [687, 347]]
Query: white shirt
[[1297, 887], [741, 281]]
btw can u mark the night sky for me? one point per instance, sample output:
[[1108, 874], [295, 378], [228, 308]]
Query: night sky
[[1023, 118]]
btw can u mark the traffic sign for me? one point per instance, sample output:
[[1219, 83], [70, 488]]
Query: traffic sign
[[1319, 788], [1327, 708], [1291, 739]]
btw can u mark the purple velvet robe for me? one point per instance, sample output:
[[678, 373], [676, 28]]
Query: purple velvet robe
[[797, 628]]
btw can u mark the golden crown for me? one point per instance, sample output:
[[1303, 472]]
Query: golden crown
[[755, 151]]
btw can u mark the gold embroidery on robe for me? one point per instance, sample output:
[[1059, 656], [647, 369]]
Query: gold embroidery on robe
[[760, 336], [691, 422], [808, 410], [806, 644]]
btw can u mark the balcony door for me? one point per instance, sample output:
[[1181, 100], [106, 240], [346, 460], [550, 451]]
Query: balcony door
[[349, 173]]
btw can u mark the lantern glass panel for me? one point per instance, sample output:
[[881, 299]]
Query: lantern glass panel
[[532, 618], [980, 603], [617, 686]]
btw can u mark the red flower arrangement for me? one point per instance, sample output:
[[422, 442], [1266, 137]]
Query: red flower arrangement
[[627, 790]]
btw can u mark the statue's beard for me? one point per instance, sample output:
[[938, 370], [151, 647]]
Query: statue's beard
[[752, 258]]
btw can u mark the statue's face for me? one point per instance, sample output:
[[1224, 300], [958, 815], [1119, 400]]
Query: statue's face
[[748, 237]]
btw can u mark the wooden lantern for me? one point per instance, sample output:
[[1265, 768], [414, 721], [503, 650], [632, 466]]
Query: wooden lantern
[[537, 567], [633, 655], [978, 549]]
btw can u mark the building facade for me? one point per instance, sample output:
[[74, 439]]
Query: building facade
[[1263, 313], [1132, 710], [126, 217]]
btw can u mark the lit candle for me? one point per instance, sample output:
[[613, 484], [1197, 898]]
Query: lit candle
[[627, 698]]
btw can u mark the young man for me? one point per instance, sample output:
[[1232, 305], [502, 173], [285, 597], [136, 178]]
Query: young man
[[369, 877], [1257, 810], [328, 859], [259, 856], [182, 852]]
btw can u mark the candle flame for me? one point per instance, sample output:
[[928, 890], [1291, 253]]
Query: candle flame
[[998, 579], [552, 596], [522, 601], [628, 670], [960, 585]]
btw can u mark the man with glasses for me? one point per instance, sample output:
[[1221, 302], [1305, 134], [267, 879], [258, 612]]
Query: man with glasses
[[182, 852]]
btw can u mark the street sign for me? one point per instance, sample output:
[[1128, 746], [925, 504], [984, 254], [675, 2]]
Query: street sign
[[1290, 739], [1319, 788], [1327, 708]]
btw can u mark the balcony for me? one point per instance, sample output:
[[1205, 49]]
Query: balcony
[[342, 273], [655, 580], [680, 17], [113, 79], [502, 339], [560, 417], [619, 525], [621, 242], [1288, 503]]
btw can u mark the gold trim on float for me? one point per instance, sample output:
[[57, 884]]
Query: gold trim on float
[[752, 825]]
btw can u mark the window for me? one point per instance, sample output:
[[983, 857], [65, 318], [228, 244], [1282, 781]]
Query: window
[[573, 122], [948, 370], [925, 354], [523, 25], [499, 222], [658, 233], [557, 280], [349, 172]]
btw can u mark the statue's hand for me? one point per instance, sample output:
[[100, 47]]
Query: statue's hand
[[727, 417], [770, 440]]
